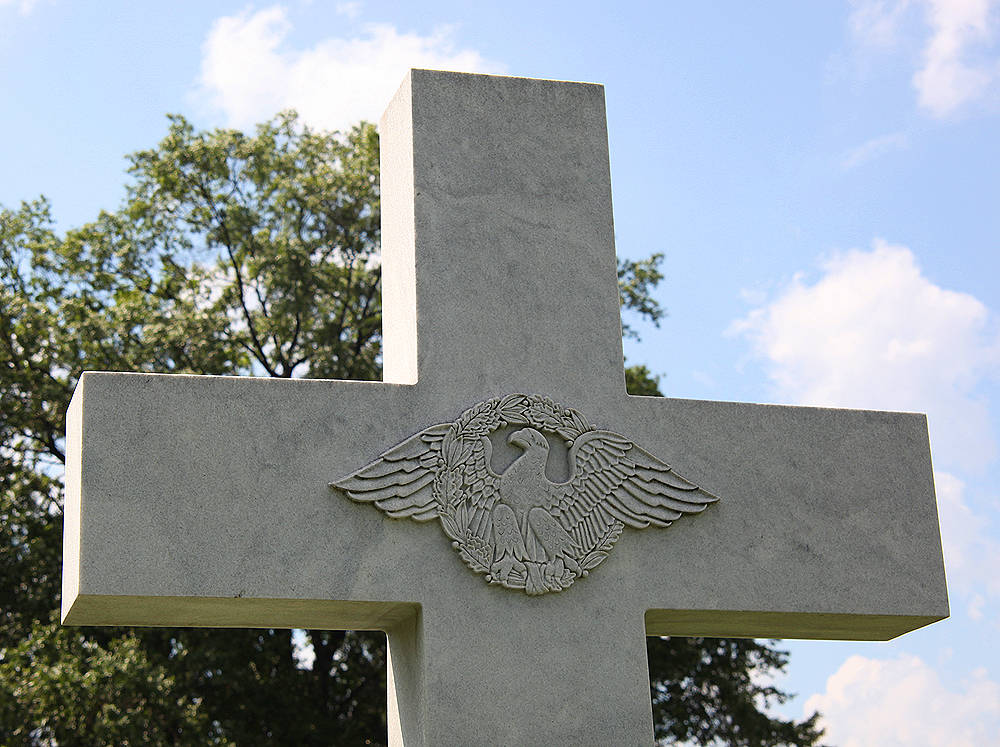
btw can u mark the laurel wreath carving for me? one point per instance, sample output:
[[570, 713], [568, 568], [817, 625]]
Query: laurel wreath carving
[[464, 485]]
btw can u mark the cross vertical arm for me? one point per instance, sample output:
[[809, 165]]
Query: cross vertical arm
[[498, 238]]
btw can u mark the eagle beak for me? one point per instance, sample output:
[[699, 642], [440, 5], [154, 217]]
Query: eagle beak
[[515, 439]]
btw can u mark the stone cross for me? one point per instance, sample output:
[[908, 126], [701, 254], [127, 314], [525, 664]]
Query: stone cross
[[206, 500]]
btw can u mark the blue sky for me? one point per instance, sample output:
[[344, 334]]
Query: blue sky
[[822, 177]]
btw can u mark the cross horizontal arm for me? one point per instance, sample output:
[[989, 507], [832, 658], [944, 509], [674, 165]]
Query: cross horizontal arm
[[216, 489], [826, 525]]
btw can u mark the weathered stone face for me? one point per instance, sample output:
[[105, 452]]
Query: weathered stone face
[[202, 500]]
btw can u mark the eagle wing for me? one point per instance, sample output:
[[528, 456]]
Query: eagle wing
[[613, 480], [475, 487], [400, 481]]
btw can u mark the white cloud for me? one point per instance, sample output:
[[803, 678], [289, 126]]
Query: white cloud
[[248, 72], [972, 556], [959, 62], [351, 9], [24, 7], [872, 149], [877, 22], [873, 332], [975, 607], [950, 75], [903, 702]]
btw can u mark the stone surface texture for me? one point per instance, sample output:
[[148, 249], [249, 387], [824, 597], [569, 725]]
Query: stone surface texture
[[204, 501]]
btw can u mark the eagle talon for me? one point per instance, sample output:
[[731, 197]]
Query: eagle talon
[[535, 584], [554, 572], [502, 568]]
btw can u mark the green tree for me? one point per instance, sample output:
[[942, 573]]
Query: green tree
[[234, 254], [80, 690]]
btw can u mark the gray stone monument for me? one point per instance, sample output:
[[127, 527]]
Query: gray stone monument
[[499, 505]]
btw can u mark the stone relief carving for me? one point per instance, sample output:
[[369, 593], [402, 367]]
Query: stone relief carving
[[516, 526]]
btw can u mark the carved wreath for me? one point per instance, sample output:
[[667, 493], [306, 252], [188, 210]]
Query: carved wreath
[[518, 528]]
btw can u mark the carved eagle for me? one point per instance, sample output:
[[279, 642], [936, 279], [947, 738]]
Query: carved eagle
[[518, 527]]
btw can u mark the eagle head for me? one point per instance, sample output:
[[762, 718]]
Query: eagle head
[[528, 438]]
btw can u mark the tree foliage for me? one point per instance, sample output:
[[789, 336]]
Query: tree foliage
[[57, 687], [636, 280], [234, 254]]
